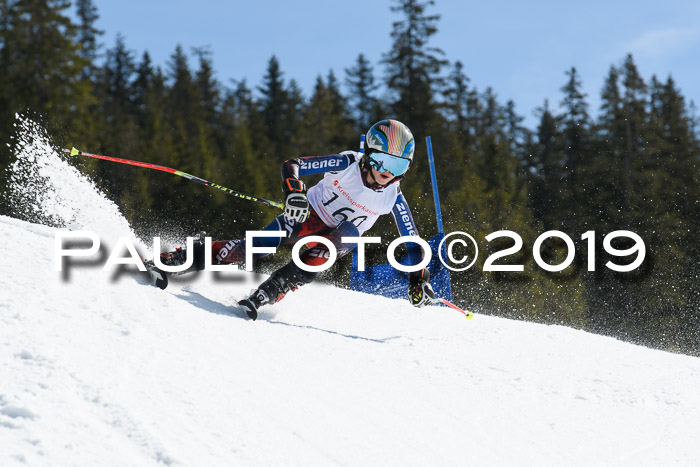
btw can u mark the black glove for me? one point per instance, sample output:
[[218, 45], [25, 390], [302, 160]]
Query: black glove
[[420, 292], [296, 205]]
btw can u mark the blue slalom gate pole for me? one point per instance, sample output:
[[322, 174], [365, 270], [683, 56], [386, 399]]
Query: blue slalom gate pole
[[433, 179], [440, 275]]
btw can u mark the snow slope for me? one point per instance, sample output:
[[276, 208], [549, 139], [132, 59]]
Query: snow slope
[[98, 369]]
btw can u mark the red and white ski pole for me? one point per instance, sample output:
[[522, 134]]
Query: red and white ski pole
[[467, 314], [228, 191]]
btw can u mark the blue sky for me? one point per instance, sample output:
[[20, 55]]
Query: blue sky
[[520, 49]]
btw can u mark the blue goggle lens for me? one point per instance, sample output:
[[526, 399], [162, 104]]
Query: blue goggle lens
[[382, 162]]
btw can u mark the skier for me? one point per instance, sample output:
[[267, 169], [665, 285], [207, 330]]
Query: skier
[[355, 190]]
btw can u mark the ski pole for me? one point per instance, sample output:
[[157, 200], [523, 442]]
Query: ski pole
[[277, 204], [467, 314]]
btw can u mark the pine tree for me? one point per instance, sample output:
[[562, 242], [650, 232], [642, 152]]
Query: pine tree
[[150, 191], [209, 133], [343, 136], [293, 118], [8, 96], [242, 163], [117, 76], [545, 169], [611, 136], [326, 129], [576, 142], [186, 115], [634, 111], [119, 132], [40, 66], [517, 136], [461, 127], [191, 150], [141, 88], [463, 108], [272, 106], [362, 88], [88, 131], [209, 90], [413, 80], [413, 68], [184, 96], [87, 37]]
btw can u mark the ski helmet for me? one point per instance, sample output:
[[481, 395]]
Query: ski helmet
[[389, 147]]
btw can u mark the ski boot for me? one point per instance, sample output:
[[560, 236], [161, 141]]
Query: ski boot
[[179, 256], [159, 278], [286, 279]]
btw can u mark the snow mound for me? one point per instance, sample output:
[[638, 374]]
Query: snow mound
[[43, 187]]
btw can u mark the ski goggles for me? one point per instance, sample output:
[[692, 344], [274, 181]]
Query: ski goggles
[[383, 162]]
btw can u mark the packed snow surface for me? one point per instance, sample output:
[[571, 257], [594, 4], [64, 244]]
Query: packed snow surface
[[99, 368]]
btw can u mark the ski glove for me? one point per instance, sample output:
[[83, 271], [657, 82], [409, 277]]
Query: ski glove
[[420, 293], [296, 205]]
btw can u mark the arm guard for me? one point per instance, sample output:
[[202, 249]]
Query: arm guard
[[301, 166], [407, 227]]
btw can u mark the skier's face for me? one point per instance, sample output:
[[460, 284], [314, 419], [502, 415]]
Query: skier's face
[[382, 177]]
